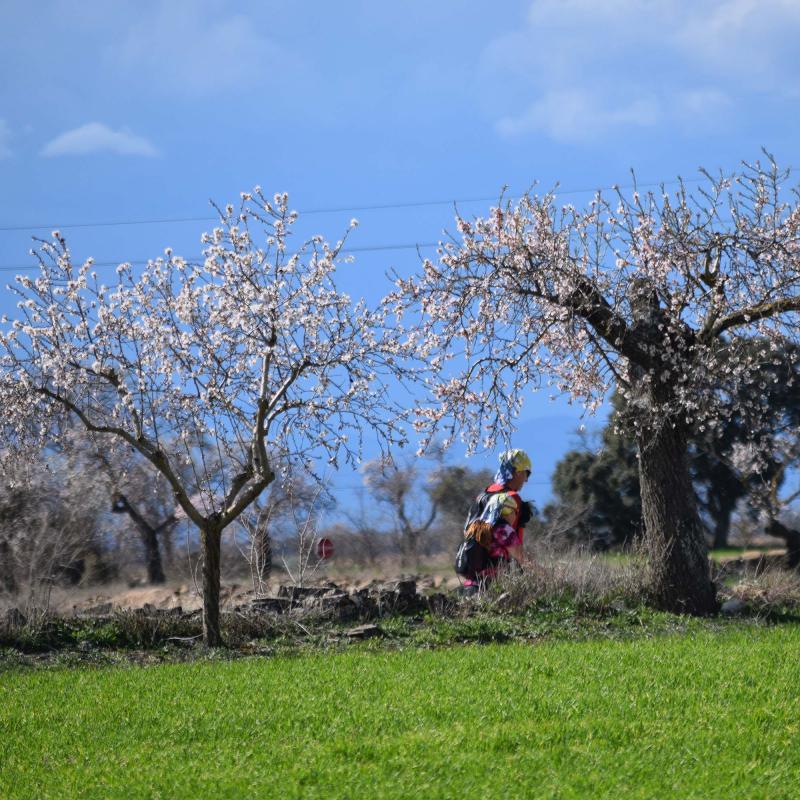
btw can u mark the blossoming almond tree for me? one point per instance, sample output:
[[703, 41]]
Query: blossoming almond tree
[[254, 349], [658, 294]]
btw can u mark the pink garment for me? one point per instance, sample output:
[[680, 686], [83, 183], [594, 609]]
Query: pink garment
[[503, 537]]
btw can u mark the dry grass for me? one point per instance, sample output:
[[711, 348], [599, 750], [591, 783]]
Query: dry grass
[[588, 580], [770, 591]]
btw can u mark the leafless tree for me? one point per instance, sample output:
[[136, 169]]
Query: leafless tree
[[50, 530], [411, 506]]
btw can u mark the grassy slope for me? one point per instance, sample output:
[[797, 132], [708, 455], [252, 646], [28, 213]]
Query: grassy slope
[[709, 715]]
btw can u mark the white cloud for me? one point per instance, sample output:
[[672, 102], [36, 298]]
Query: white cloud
[[701, 105], [183, 47], [5, 138], [753, 39], [94, 137], [573, 115], [577, 66]]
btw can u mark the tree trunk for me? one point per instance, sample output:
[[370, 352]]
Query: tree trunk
[[211, 538], [792, 539], [721, 504], [409, 547], [155, 570], [168, 545], [261, 557], [674, 535], [8, 579], [722, 526]]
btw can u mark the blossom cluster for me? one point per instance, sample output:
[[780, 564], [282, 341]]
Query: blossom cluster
[[680, 300]]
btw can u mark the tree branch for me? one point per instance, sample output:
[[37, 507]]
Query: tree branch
[[150, 451], [754, 313]]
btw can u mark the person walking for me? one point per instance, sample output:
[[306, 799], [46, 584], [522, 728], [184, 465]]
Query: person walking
[[494, 530]]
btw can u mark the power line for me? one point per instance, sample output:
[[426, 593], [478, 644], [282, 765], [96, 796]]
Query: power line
[[333, 209], [354, 487], [142, 261]]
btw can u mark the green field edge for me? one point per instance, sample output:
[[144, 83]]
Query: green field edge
[[93, 643]]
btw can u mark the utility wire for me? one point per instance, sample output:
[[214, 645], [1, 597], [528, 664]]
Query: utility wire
[[335, 210], [141, 261], [359, 487]]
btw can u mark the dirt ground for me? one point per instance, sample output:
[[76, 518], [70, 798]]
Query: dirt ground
[[181, 592], [236, 589]]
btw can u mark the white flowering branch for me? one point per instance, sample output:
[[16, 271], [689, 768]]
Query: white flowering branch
[[660, 295], [254, 349]]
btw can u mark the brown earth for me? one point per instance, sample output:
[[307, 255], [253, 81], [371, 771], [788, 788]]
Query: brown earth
[[237, 590]]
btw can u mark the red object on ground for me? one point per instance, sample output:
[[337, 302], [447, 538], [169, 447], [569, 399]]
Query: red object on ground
[[324, 548]]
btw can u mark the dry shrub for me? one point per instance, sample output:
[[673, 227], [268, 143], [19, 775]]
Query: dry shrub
[[770, 591], [589, 580], [240, 627]]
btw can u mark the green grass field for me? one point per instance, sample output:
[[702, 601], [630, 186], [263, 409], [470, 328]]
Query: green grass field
[[704, 715]]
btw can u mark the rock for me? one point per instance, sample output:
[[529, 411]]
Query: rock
[[503, 601], [364, 632], [733, 607], [277, 605], [406, 588], [438, 603], [100, 610], [339, 606], [14, 618], [399, 597], [299, 593], [365, 603]]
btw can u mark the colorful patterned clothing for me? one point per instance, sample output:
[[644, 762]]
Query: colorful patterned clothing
[[494, 520]]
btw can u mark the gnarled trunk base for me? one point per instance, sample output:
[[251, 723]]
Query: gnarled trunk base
[[674, 537]]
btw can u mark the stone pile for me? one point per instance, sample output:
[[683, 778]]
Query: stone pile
[[338, 604], [328, 601]]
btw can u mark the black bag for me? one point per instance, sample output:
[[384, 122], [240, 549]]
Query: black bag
[[471, 558], [526, 512]]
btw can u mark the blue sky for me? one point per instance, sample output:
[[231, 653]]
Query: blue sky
[[136, 111]]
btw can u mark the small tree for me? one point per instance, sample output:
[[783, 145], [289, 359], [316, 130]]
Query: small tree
[[143, 496], [596, 491], [396, 487], [253, 349], [51, 527], [657, 294], [287, 512], [131, 485]]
